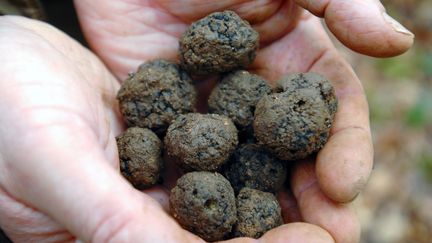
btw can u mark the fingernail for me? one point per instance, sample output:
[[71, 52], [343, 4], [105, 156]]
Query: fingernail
[[396, 25]]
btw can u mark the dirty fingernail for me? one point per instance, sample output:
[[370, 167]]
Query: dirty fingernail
[[396, 25]]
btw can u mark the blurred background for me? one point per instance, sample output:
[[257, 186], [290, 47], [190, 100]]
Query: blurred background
[[396, 206]]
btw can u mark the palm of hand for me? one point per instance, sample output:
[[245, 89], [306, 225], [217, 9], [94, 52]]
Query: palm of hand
[[79, 96]]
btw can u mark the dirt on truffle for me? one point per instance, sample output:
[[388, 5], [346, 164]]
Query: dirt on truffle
[[257, 213], [236, 97], [294, 122], [204, 203], [156, 94], [322, 85], [201, 142], [253, 167], [218, 43], [140, 152]]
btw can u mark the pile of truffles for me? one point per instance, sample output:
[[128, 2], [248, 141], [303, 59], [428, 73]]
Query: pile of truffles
[[235, 158]]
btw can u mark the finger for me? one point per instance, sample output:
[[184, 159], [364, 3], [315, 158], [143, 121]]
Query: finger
[[363, 26], [289, 208], [338, 219], [290, 233], [345, 163]]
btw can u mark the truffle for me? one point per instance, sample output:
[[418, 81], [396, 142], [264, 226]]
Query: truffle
[[140, 152], [257, 213], [236, 97], [201, 142], [253, 167], [157, 93], [204, 203], [295, 121], [220, 42]]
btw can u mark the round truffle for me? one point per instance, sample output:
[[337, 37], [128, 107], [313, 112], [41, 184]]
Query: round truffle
[[220, 42], [201, 141], [253, 167], [140, 153], [294, 122], [204, 203], [257, 213], [157, 93], [237, 95]]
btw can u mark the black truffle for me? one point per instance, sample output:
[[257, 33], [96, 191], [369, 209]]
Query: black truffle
[[140, 152], [257, 213], [204, 203], [201, 142], [295, 121], [220, 42], [236, 97], [253, 167], [156, 94]]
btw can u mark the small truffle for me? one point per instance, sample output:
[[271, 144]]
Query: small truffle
[[156, 94], [140, 152], [253, 167], [257, 213], [220, 42], [294, 122], [236, 97], [201, 142], [204, 203]]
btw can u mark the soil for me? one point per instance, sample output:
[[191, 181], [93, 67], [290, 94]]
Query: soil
[[236, 97], [257, 213], [218, 43], [156, 94], [295, 121], [202, 142], [140, 152], [253, 167], [204, 203]]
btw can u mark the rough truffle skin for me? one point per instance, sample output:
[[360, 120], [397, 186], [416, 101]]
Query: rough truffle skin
[[140, 152], [204, 203], [253, 167], [157, 93], [295, 121], [236, 97], [292, 82], [220, 42], [201, 142], [257, 213]]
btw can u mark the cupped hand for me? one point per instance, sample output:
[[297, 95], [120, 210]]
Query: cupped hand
[[59, 175]]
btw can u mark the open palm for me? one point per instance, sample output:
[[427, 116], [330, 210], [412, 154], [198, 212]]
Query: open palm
[[58, 165]]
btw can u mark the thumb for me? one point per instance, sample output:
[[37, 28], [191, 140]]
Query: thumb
[[363, 26], [70, 180]]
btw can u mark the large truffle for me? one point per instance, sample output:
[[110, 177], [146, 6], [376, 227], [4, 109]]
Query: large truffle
[[154, 95], [237, 95], [295, 121], [140, 156], [257, 213], [204, 203], [201, 142], [253, 167], [220, 42]]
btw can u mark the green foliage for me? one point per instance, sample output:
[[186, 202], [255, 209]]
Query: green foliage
[[425, 165], [420, 114], [397, 68]]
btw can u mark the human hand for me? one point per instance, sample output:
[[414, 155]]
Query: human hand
[[63, 99], [292, 41]]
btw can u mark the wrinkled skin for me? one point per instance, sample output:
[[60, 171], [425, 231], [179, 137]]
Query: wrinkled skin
[[59, 178]]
